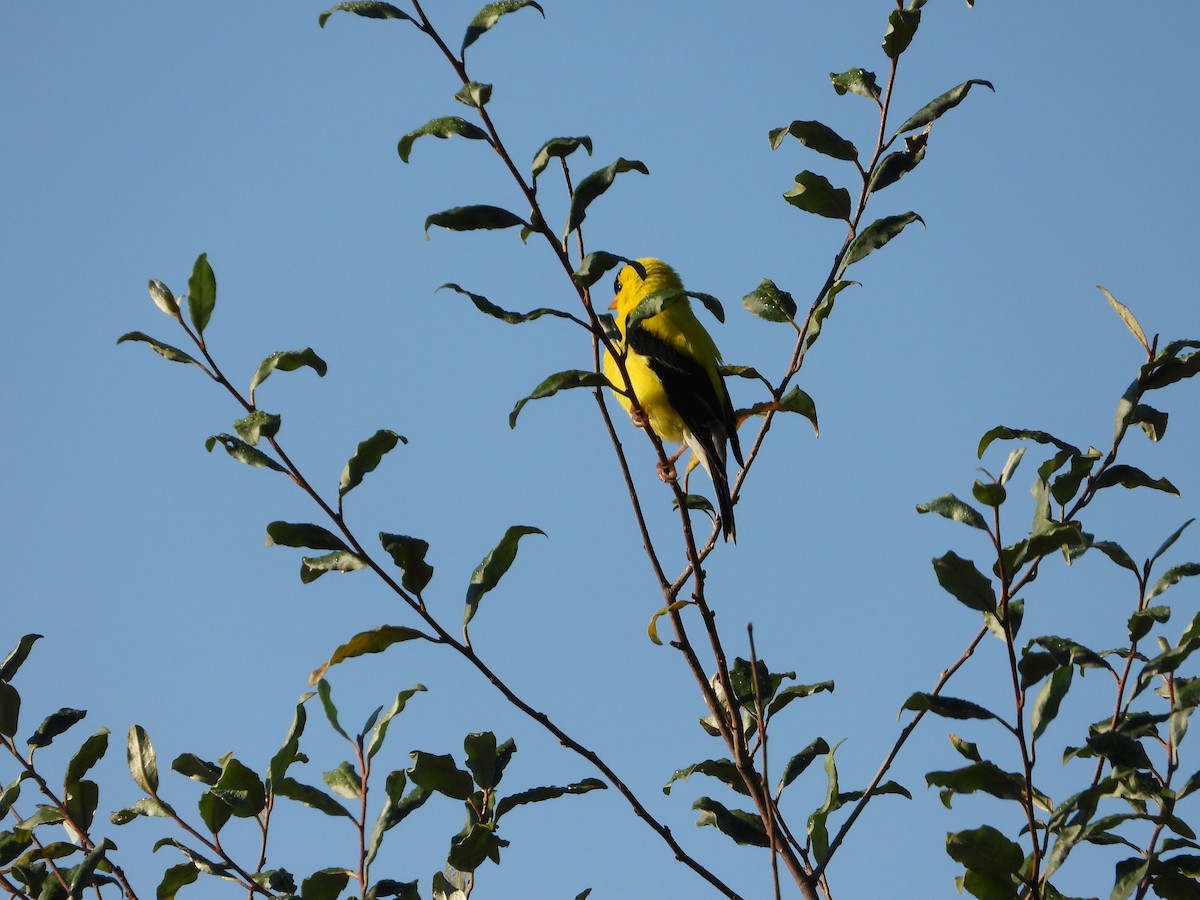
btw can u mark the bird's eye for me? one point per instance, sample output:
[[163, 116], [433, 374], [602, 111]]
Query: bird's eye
[[617, 285]]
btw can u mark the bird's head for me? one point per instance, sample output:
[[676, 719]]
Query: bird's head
[[631, 288]]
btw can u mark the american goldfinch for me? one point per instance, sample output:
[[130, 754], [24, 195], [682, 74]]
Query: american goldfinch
[[672, 364]]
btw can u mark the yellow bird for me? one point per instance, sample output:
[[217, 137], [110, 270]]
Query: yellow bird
[[672, 364]]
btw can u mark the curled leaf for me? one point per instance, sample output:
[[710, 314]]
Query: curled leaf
[[814, 194], [559, 381], [490, 15], [596, 184], [367, 457], [484, 305], [877, 234], [816, 136], [560, 147], [474, 218], [652, 628], [493, 566], [940, 105], [444, 127], [370, 9]]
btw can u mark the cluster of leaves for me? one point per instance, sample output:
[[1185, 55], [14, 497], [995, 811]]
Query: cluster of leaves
[[1135, 746], [742, 697], [233, 790]]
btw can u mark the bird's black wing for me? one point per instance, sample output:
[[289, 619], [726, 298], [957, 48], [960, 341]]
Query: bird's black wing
[[690, 390]]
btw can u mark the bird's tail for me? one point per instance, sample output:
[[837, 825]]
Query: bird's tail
[[724, 501], [712, 459]]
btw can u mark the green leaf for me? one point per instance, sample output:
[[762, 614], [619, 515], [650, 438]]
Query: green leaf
[[877, 234], [397, 707], [469, 850], [397, 808], [711, 303], [474, 218], [205, 865], [90, 753], [986, 850], [1166, 545], [243, 452], [560, 148], [856, 81], [983, 776], [940, 105], [439, 773], [768, 302], [966, 748], [1004, 433], [388, 887], [174, 354], [596, 184], [175, 878], [801, 761], [443, 127], [721, 769], [989, 493], [325, 695], [1143, 620], [1127, 317], [288, 753], [327, 884], [144, 807], [313, 567], [796, 692], [288, 361], [490, 15], [1132, 477], [1173, 576], [367, 457], [162, 297], [370, 9], [82, 798], [54, 725], [538, 794], [965, 582], [409, 554], [344, 781], [143, 765], [1010, 465], [902, 25], [313, 537], [559, 381], [1152, 421], [818, 831], [815, 136], [1166, 369], [742, 827], [374, 641], [896, 165], [484, 305], [947, 707], [493, 566], [821, 312], [474, 94], [202, 293], [240, 788], [257, 425], [480, 747], [17, 657], [951, 507], [1049, 699], [814, 194], [10, 709], [595, 265]]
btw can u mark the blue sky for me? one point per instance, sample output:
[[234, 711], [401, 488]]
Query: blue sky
[[141, 135]]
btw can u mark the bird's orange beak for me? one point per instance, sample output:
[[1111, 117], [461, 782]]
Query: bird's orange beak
[[613, 305]]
